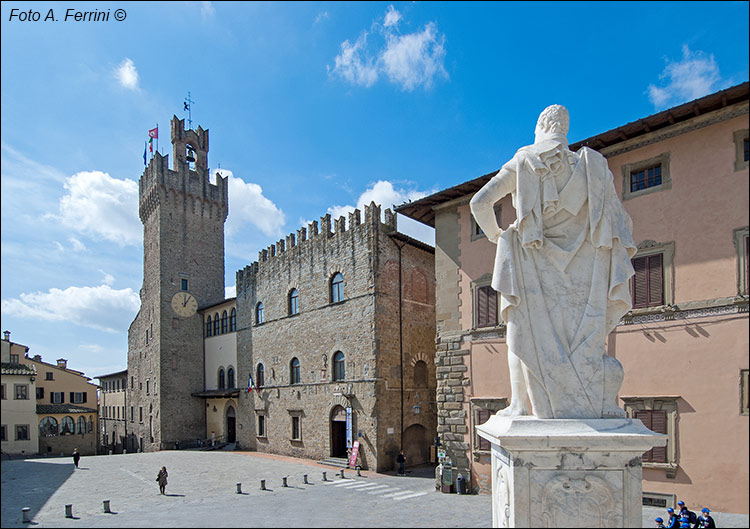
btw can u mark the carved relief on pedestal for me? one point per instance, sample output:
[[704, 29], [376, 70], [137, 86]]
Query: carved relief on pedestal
[[576, 502], [501, 495]]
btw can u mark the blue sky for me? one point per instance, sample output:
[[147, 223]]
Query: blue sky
[[312, 108]]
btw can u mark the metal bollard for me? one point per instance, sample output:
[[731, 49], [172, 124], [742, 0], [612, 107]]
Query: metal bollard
[[239, 488], [342, 473], [262, 484], [358, 471], [69, 510], [304, 477], [283, 482], [106, 506], [124, 451], [324, 477], [26, 514]]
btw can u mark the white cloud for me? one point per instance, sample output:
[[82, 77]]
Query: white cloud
[[230, 292], [127, 74], [353, 63], [696, 75], [409, 61], [78, 246], [415, 59], [321, 16], [108, 278], [102, 207], [207, 10], [391, 17], [248, 205], [100, 307]]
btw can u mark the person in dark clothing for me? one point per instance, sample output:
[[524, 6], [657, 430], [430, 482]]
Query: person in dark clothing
[[161, 477], [400, 459], [691, 516], [684, 522], [76, 457], [674, 520], [705, 519], [659, 522]]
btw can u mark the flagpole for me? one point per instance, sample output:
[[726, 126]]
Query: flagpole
[[157, 137]]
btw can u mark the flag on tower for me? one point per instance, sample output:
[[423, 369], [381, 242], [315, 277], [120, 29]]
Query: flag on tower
[[145, 148], [151, 145], [250, 384], [154, 133]]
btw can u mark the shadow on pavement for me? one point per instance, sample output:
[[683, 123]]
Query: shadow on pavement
[[35, 497]]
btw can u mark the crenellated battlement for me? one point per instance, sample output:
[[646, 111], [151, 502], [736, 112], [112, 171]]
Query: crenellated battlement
[[186, 183], [321, 234]]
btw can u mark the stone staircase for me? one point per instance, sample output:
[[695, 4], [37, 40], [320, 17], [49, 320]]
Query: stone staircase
[[339, 462]]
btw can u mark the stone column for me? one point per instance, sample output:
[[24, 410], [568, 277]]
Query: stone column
[[567, 472]]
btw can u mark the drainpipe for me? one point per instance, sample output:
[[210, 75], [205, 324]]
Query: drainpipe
[[401, 335]]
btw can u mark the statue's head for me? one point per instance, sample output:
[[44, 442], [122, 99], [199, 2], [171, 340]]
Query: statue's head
[[553, 121]]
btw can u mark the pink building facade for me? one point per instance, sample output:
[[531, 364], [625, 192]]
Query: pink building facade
[[682, 175]]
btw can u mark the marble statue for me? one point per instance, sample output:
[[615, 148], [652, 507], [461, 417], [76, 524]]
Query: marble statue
[[562, 271]]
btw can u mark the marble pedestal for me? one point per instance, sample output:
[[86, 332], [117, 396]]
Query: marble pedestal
[[567, 472]]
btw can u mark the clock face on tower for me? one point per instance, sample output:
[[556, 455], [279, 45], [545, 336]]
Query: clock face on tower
[[184, 304]]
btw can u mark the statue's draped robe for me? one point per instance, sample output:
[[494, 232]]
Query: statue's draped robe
[[562, 270]]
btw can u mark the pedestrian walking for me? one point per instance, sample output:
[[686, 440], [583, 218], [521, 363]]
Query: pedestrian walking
[[161, 477], [76, 457], [659, 523], [401, 459], [684, 511], [705, 519]]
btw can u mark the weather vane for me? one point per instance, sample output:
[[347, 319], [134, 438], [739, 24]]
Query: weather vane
[[188, 105]]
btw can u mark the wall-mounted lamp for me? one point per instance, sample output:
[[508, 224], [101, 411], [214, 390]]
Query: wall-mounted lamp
[[214, 408]]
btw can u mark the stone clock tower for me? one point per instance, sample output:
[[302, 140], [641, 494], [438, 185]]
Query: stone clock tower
[[183, 218]]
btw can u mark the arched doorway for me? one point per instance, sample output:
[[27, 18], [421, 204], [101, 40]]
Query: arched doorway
[[338, 432], [231, 425], [416, 445]]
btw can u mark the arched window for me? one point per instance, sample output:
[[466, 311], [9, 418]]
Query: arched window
[[259, 313], [337, 288], [339, 371], [67, 426], [81, 424], [224, 322], [420, 374], [208, 326], [216, 324], [293, 302], [221, 379], [230, 378], [294, 371], [233, 320], [48, 427], [260, 376]]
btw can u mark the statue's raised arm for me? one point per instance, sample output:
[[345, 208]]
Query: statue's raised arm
[[562, 271]]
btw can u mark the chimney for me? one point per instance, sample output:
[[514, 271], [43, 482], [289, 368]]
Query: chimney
[[37, 358], [6, 335], [62, 363]]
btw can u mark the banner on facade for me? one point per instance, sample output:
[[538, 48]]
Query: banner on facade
[[348, 427]]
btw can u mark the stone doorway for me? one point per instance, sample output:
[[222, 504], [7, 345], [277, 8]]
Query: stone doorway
[[231, 425], [416, 445], [338, 432]]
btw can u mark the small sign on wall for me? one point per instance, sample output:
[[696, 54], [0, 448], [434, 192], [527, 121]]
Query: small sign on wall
[[390, 431]]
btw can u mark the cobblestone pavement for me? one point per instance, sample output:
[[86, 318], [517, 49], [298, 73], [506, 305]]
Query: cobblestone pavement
[[202, 492]]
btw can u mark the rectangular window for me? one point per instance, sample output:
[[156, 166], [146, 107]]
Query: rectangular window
[[132, 414], [743, 392], [49, 375], [645, 178], [22, 392], [261, 425], [22, 432], [486, 307], [482, 417], [13, 359], [656, 421], [39, 393], [746, 156], [140, 413], [147, 384], [118, 411], [3, 433], [77, 397], [647, 285], [741, 149], [184, 285], [295, 428], [56, 397]]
